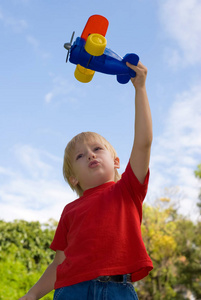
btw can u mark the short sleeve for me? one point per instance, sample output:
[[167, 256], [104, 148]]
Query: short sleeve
[[137, 190], [60, 238]]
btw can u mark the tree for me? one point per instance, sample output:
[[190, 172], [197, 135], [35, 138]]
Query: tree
[[198, 171], [158, 230], [198, 175], [174, 245], [188, 265], [189, 246], [24, 255]]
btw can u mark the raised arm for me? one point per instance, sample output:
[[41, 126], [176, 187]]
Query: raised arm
[[140, 155], [46, 283]]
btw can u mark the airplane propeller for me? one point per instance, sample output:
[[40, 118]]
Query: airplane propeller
[[67, 46]]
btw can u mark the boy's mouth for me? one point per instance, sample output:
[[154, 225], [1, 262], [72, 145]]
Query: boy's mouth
[[93, 164]]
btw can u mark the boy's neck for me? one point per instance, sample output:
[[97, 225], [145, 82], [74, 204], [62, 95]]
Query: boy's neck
[[91, 190]]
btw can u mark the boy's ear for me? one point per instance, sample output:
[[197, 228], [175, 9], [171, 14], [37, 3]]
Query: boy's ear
[[116, 163], [73, 180]]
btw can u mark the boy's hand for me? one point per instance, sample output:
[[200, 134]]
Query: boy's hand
[[141, 74]]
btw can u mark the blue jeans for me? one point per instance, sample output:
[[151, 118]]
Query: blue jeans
[[96, 290]]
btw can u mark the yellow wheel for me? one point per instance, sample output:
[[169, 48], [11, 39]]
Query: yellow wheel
[[95, 44], [83, 75]]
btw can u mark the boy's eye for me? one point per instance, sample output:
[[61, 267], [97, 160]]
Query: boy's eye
[[97, 148], [79, 156]]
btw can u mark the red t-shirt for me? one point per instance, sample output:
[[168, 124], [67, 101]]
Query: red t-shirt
[[100, 233]]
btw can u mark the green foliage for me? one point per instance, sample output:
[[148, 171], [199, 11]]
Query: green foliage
[[198, 175], [198, 171], [174, 245], [24, 255], [189, 263]]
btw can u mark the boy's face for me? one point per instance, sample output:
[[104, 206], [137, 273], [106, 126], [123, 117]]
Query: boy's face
[[92, 164]]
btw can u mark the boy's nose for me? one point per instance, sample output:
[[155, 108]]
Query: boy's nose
[[91, 155]]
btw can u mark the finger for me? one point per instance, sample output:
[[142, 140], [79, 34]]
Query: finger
[[131, 66], [138, 69], [140, 64]]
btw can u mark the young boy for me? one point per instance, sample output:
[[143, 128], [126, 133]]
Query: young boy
[[98, 242]]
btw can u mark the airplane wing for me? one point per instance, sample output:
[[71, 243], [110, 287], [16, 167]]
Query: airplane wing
[[95, 24], [83, 74]]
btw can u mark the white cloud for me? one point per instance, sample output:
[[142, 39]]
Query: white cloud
[[33, 41], [6, 172], [20, 26], [181, 21], [17, 25], [31, 160], [63, 90], [48, 97], [31, 190], [177, 152], [35, 44], [183, 123], [29, 199]]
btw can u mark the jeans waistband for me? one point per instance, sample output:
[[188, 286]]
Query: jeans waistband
[[115, 278]]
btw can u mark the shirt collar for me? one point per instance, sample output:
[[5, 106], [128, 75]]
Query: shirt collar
[[98, 188]]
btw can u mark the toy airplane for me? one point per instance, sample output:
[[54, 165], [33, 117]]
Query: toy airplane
[[90, 54]]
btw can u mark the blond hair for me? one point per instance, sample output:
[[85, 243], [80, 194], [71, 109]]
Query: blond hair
[[69, 151]]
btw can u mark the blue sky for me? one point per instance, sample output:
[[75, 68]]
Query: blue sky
[[42, 106]]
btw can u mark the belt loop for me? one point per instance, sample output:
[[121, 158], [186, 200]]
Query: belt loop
[[124, 279]]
